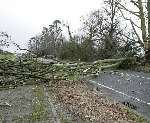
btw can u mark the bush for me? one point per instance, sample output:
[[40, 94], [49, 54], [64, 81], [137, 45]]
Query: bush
[[128, 63]]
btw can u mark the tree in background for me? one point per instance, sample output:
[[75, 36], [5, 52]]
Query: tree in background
[[102, 36], [49, 41], [104, 32], [141, 12], [4, 39], [33, 45]]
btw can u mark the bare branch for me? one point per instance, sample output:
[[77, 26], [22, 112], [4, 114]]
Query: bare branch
[[135, 3], [18, 46], [132, 12], [129, 20], [139, 40]]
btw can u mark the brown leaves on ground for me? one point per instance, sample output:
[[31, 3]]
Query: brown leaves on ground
[[88, 105]]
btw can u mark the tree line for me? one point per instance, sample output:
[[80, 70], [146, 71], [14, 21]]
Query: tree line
[[113, 31]]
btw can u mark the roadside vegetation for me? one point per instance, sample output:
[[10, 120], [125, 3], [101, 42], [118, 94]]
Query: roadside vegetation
[[60, 63], [65, 81], [7, 56]]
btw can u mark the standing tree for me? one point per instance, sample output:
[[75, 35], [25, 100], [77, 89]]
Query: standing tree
[[103, 30], [143, 15], [34, 45], [4, 39], [49, 41]]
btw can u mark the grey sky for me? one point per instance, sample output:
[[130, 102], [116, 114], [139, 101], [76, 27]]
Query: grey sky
[[23, 19]]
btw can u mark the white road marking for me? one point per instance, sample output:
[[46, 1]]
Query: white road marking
[[135, 98]]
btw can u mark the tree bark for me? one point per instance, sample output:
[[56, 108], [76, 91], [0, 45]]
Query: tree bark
[[147, 53], [146, 40], [142, 18]]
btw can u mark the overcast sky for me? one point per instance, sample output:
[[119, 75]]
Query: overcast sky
[[23, 19]]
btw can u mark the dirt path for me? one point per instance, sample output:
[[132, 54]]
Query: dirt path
[[16, 104], [27, 104], [31, 104]]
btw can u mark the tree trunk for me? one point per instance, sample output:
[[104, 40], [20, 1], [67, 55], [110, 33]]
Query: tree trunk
[[143, 28], [69, 32], [147, 53], [142, 18]]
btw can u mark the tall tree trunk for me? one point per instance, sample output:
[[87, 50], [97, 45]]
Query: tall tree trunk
[[143, 28], [142, 18], [109, 37], [148, 10], [147, 55]]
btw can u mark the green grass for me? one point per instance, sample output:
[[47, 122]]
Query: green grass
[[65, 120], [39, 113], [134, 116], [39, 109], [7, 56]]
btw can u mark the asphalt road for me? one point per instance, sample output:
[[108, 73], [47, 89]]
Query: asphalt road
[[18, 106], [32, 104], [129, 87]]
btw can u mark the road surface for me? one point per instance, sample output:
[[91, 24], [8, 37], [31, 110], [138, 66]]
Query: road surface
[[129, 87]]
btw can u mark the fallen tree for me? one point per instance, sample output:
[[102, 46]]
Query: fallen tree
[[29, 70]]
